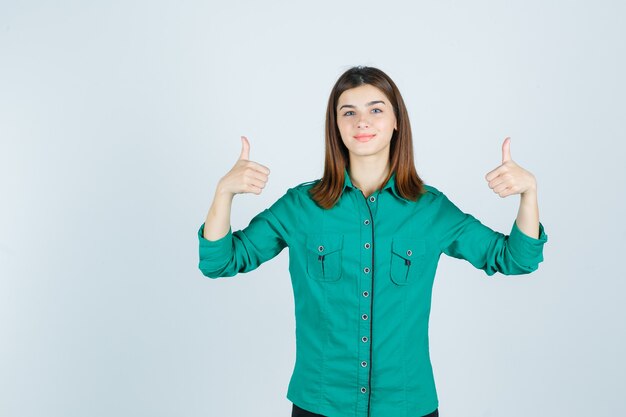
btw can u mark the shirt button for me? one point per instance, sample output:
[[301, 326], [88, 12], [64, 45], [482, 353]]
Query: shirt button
[[366, 222], [363, 364], [320, 248], [364, 339], [367, 245], [409, 252], [366, 294], [364, 316], [366, 270], [363, 390], [372, 199]]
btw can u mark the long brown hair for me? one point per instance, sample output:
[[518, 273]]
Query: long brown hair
[[409, 185]]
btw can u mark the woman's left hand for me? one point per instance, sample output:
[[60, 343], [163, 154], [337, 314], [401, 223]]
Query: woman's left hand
[[510, 178]]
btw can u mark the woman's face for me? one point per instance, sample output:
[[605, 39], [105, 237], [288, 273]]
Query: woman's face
[[366, 121]]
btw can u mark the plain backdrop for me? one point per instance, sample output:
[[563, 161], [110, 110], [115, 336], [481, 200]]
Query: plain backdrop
[[117, 119]]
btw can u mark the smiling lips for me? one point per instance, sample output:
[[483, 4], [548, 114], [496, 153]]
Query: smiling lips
[[362, 137]]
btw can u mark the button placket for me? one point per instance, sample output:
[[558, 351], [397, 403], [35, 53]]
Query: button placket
[[366, 289]]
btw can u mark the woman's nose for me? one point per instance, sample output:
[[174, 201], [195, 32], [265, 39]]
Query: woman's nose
[[362, 123]]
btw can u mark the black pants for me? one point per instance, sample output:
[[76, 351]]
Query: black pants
[[299, 412]]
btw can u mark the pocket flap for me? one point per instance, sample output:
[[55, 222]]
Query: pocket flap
[[324, 244], [407, 248]]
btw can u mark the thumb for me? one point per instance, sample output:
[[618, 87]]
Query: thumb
[[245, 148], [506, 150]]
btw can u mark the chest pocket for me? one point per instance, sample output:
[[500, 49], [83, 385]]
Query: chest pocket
[[407, 255], [323, 256]]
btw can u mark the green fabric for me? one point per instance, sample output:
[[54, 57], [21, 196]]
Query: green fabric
[[373, 256]]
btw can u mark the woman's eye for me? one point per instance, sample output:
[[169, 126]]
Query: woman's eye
[[350, 112]]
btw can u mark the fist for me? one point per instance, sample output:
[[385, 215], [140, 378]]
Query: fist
[[510, 178], [245, 176]]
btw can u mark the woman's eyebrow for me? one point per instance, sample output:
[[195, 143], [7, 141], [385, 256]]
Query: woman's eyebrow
[[371, 103]]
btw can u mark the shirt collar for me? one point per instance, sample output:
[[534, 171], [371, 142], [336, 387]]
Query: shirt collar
[[391, 184]]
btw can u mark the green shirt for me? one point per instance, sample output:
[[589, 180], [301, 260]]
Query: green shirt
[[362, 275]]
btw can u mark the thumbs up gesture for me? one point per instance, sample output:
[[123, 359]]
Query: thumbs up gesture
[[510, 178], [245, 176]]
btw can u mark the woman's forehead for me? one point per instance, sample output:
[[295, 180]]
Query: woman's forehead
[[361, 95]]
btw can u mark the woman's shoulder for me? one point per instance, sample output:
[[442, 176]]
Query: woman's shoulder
[[303, 187], [293, 194], [435, 197], [432, 189], [307, 185]]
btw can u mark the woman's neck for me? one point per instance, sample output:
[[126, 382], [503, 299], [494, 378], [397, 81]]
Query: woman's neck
[[368, 176]]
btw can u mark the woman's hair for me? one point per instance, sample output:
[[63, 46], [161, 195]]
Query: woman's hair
[[409, 185]]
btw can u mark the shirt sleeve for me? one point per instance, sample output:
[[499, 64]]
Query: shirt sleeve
[[465, 237], [244, 250]]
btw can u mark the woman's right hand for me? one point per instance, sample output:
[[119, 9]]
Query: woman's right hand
[[245, 176]]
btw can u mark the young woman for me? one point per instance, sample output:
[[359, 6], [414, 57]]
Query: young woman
[[364, 242]]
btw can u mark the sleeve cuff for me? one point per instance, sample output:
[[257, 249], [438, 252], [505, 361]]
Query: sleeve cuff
[[215, 249], [525, 249]]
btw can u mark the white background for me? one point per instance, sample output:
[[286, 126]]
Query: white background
[[118, 118]]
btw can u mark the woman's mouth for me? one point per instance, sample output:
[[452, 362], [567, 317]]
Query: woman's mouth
[[363, 137]]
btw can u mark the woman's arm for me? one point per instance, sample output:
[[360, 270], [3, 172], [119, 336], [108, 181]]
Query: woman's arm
[[217, 222], [224, 253], [528, 214], [245, 177], [510, 178]]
